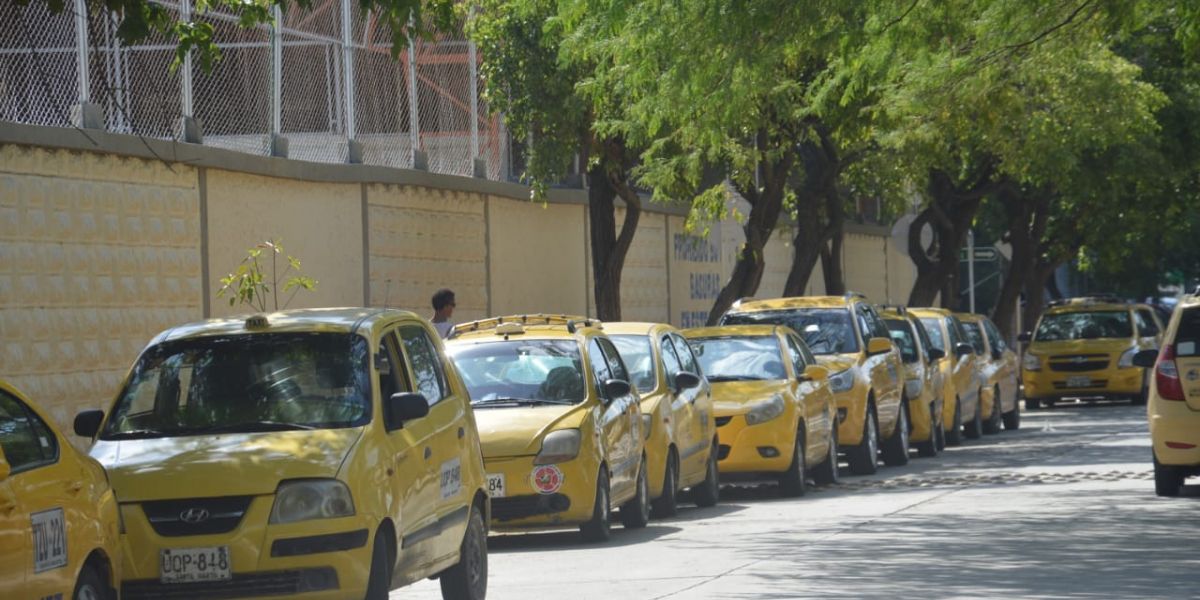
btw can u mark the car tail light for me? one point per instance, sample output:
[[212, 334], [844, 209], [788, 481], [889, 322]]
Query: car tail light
[[1166, 375]]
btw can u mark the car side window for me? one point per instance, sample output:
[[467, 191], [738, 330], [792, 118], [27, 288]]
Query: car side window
[[993, 336], [1145, 322], [686, 357], [796, 355], [27, 441], [393, 378], [878, 327], [865, 329], [956, 334], [426, 365], [599, 365], [671, 363], [615, 365], [923, 339]]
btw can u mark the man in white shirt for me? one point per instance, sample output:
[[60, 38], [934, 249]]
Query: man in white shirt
[[443, 309]]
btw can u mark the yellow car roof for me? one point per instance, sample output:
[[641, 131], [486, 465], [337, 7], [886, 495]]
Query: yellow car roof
[[332, 320], [635, 327], [792, 302], [930, 311], [730, 331]]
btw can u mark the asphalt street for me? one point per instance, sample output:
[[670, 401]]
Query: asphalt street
[[1062, 508]]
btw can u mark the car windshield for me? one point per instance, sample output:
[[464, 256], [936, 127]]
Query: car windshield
[[521, 371], [825, 330], [903, 336], [933, 327], [974, 335], [739, 358], [245, 383], [1088, 325], [635, 351]]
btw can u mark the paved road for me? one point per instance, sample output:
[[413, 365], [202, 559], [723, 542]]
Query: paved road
[[1065, 507]]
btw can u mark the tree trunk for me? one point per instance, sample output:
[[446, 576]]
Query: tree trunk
[[1035, 293], [806, 247], [607, 180], [951, 209], [831, 260], [815, 230], [1028, 215]]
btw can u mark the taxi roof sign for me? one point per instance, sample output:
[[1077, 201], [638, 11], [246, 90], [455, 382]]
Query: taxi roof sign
[[508, 325]]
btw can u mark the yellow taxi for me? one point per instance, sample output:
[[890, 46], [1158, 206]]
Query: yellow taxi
[[999, 371], [560, 424], [960, 373], [922, 379], [59, 534], [677, 413], [776, 415], [1174, 399], [324, 453], [849, 338], [1084, 348]]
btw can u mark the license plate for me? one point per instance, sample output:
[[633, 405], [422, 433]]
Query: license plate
[[191, 565], [49, 540], [496, 487], [1078, 382]]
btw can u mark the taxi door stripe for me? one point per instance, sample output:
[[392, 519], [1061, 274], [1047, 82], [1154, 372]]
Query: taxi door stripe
[[434, 529]]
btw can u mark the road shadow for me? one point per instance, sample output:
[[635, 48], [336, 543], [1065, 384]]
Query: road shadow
[[570, 539]]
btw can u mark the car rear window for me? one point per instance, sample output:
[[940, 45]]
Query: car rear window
[[902, 335], [974, 335], [1187, 337], [1089, 325]]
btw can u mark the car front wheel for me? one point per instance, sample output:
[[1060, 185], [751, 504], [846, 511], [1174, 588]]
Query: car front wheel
[[599, 528], [864, 457], [635, 513], [468, 579]]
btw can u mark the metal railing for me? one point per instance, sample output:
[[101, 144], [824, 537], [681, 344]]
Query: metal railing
[[322, 86]]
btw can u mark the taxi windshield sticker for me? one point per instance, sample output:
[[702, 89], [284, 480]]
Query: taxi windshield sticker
[[547, 479], [49, 540]]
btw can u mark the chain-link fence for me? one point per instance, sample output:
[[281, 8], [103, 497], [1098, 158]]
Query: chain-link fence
[[324, 86]]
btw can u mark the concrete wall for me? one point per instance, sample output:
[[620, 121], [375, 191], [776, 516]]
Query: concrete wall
[[105, 240]]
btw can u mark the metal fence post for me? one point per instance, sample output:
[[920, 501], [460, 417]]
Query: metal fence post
[[479, 164], [279, 146], [419, 160], [354, 148], [84, 114], [187, 128]]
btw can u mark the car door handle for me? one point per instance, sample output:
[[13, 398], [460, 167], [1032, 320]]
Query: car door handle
[[73, 487], [461, 432], [428, 452]]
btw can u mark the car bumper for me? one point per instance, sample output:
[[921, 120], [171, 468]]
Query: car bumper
[[325, 558], [1175, 433], [750, 450], [1046, 384], [525, 507]]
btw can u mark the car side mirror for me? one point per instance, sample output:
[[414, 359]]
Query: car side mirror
[[878, 345], [87, 423], [936, 354], [615, 388], [1025, 337], [963, 349], [686, 380], [815, 373], [404, 407], [1145, 359]]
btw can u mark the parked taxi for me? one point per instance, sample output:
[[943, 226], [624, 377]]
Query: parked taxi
[[1084, 347], [1174, 399], [922, 379], [677, 413], [59, 533], [775, 413], [316, 453], [960, 374], [849, 338], [999, 371], [560, 424]]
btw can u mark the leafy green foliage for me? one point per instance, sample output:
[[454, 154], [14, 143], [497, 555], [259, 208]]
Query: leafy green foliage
[[253, 283]]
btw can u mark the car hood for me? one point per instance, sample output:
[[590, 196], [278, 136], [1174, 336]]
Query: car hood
[[736, 397], [507, 431], [1100, 346], [234, 464]]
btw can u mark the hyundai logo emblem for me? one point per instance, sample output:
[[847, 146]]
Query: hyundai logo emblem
[[194, 515]]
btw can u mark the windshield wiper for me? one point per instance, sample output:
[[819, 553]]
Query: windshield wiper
[[720, 378], [518, 401], [254, 426], [138, 434]]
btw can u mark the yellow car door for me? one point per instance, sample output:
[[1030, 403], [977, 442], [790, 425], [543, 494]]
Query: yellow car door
[[14, 536], [884, 369], [815, 410], [694, 411], [965, 377], [619, 430]]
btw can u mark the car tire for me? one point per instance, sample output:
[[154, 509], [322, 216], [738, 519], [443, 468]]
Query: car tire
[[667, 504], [1012, 418], [635, 513], [90, 585], [380, 578], [954, 436], [826, 473], [929, 448], [791, 482], [940, 431], [1032, 404], [895, 449], [864, 458], [467, 580], [599, 528], [708, 493], [974, 430], [992, 425], [1168, 481]]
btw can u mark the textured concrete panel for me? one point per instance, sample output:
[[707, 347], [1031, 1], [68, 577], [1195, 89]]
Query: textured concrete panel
[[423, 239], [644, 285], [866, 266], [98, 253], [538, 261], [319, 223]]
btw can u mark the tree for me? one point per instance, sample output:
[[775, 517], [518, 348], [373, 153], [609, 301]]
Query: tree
[[535, 86], [253, 285]]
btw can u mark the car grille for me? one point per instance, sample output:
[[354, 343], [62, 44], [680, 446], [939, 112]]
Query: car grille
[[519, 507], [723, 421], [1096, 383], [271, 583], [1078, 363], [220, 515]]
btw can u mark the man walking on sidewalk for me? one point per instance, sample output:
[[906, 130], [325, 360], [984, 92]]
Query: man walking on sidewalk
[[443, 309]]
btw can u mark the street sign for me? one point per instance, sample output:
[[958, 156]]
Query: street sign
[[984, 254]]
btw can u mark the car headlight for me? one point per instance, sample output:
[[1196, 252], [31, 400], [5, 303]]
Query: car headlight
[[1031, 362], [842, 381], [647, 423], [306, 499], [765, 411], [559, 446], [1126, 361], [913, 387]]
